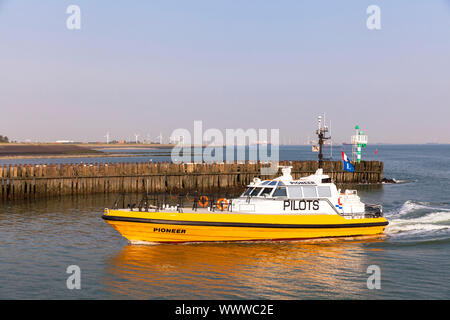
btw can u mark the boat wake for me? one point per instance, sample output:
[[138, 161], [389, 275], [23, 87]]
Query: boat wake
[[142, 243], [420, 220]]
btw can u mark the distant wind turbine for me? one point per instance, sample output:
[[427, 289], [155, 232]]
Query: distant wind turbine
[[107, 137], [160, 138]]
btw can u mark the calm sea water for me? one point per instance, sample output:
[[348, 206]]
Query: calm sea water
[[40, 239]]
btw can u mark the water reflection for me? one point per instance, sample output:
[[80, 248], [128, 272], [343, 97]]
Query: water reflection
[[267, 270]]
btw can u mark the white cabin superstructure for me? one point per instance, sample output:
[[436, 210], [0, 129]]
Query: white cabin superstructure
[[312, 195]]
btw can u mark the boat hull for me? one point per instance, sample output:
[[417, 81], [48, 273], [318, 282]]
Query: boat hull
[[168, 227]]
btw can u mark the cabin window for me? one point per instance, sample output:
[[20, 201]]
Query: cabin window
[[295, 192], [265, 182], [273, 183], [324, 192], [255, 192], [266, 191], [247, 192], [280, 192], [309, 192]]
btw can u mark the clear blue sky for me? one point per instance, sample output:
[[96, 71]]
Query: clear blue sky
[[150, 66]]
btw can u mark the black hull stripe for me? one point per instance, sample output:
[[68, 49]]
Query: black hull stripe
[[243, 224]]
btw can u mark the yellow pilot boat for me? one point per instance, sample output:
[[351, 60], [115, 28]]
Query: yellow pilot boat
[[278, 209]]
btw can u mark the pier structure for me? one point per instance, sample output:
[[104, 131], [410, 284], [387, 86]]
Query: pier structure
[[48, 180]]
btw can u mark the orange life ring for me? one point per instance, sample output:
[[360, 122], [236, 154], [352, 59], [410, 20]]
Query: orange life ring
[[222, 204], [203, 201]]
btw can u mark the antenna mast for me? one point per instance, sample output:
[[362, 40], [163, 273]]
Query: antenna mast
[[321, 131]]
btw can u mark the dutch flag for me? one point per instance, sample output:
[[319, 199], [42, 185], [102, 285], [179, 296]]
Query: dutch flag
[[346, 163]]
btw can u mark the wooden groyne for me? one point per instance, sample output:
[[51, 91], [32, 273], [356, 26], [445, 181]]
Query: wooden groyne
[[33, 181]]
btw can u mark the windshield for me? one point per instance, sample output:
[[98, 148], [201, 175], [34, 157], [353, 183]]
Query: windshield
[[255, 192], [266, 191], [247, 192], [280, 192]]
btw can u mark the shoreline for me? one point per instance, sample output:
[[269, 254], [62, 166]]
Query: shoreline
[[66, 156], [17, 151]]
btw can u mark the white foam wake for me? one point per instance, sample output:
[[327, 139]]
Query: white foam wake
[[411, 206], [405, 220], [415, 227], [142, 243]]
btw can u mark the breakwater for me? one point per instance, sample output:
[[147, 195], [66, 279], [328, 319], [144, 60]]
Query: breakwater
[[33, 181]]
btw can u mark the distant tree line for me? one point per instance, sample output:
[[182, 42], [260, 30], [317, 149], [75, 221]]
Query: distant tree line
[[4, 139]]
